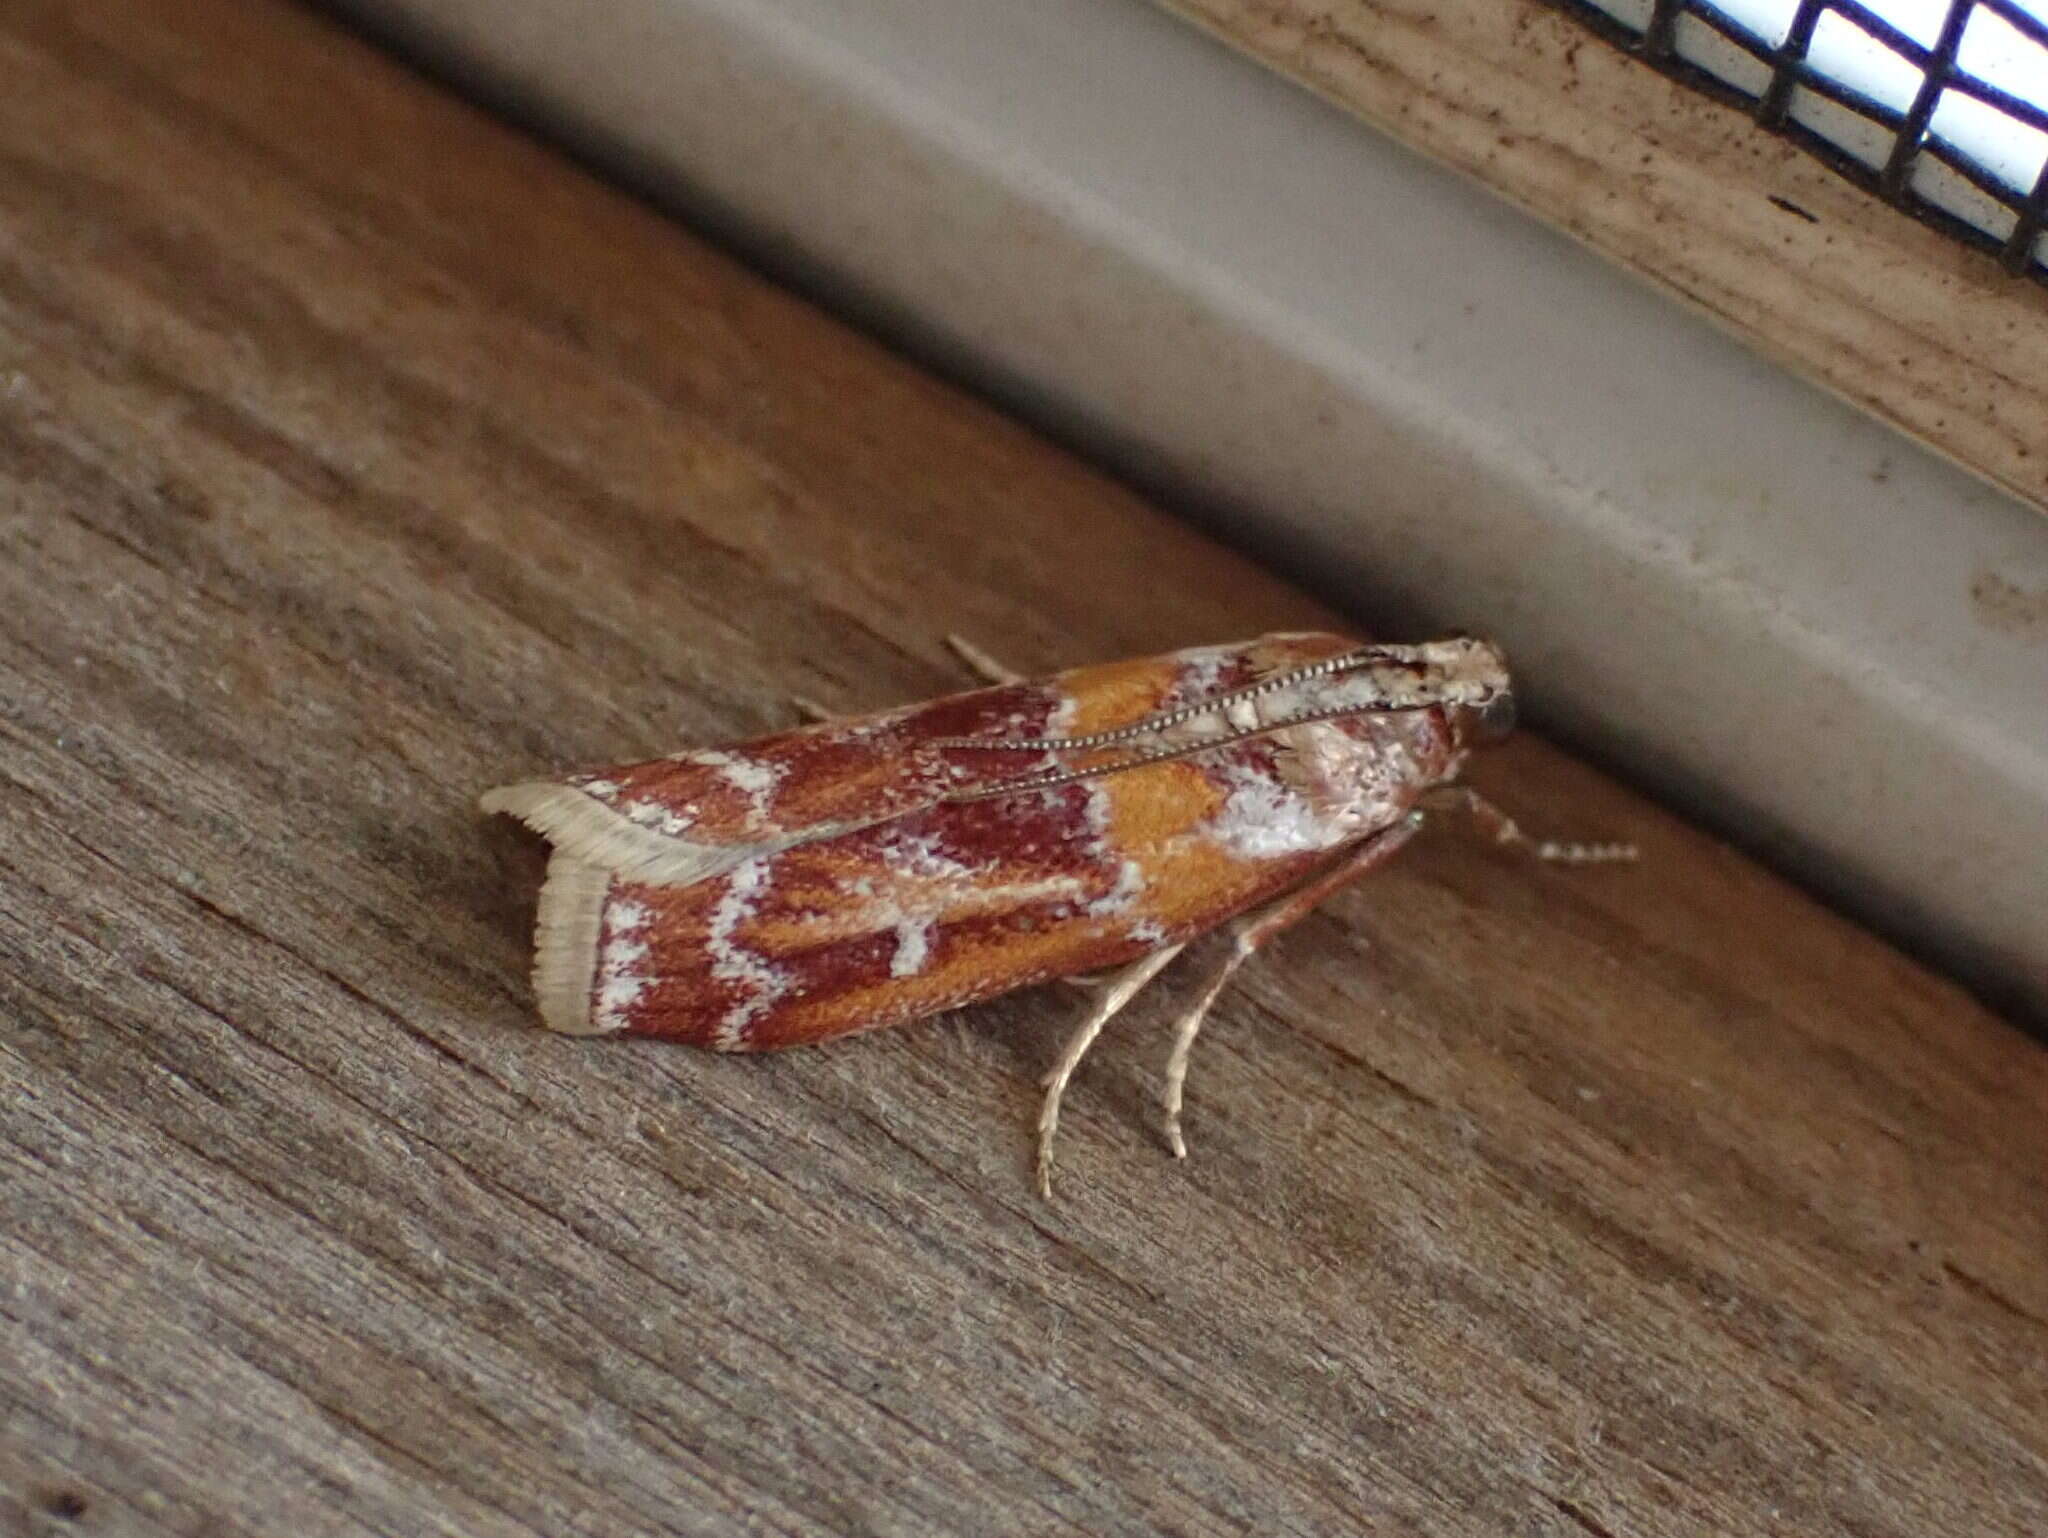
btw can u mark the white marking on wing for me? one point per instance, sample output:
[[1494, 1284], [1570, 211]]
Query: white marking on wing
[[620, 982], [913, 947], [652, 814], [1130, 886], [1262, 819], [733, 962], [752, 777]]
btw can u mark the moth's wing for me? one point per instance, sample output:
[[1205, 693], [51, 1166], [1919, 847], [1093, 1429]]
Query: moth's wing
[[687, 820], [885, 924], [943, 906], [676, 820], [683, 818]]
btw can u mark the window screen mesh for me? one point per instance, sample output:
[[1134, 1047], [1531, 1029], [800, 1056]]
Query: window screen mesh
[[1939, 106]]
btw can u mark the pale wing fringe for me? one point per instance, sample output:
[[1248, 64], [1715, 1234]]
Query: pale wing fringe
[[585, 828], [592, 846], [566, 929]]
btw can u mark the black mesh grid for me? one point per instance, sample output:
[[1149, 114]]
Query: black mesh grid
[[1655, 39]]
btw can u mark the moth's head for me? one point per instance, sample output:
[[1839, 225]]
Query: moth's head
[[1477, 672]]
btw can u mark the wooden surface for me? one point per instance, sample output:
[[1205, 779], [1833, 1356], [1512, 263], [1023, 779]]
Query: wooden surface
[[1801, 264], [356, 455]]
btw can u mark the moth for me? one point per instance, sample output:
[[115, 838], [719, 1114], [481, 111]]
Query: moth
[[861, 872]]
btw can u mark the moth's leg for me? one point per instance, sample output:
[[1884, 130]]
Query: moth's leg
[[1253, 931], [981, 663], [1502, 827], [810, 712], [1118, 990]]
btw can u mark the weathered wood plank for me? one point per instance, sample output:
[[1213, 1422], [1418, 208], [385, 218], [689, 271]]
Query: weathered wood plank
[[357, 454]]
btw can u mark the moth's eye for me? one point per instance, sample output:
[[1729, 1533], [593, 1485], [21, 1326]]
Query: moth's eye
[[1497, 716]]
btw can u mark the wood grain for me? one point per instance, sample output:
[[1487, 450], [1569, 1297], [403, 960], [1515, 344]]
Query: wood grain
[[358, 454], [1805, 267]]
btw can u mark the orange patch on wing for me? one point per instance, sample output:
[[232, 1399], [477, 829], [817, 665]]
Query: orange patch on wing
[[1112, 694]]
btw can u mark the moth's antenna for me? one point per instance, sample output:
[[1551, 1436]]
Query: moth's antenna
[[1365, 656], [1049, 778]]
